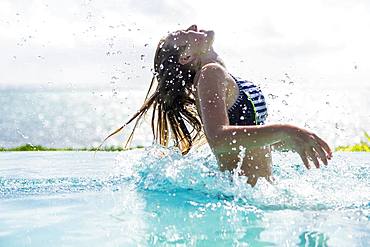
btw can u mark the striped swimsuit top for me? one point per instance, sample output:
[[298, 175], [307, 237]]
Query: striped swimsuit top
[[250, 107]]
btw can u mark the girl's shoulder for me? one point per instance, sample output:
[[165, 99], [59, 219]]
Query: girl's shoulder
[[213, 71], [213, 76], [213, 68]]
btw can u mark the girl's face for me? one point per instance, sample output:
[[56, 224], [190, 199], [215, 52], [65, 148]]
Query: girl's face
[[197, 42]]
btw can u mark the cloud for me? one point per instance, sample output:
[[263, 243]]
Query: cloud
[[301, 49], [163, 9], [90, 41]]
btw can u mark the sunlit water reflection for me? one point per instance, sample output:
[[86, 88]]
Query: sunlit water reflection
[[82, 118]]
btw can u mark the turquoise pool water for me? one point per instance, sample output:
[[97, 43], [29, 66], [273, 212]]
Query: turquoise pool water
[[155, 197]]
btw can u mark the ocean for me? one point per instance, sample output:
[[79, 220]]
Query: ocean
[[84, 117]]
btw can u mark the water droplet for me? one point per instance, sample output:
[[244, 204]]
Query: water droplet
[[272, 96], [21, 134]]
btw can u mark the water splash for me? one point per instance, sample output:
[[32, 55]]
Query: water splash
[[159, 169], [158, 197], [344, 184]]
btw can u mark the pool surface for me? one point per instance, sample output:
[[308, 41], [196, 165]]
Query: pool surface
[[155, 197]]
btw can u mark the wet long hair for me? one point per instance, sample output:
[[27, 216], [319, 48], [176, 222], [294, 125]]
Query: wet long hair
[[174, 113]]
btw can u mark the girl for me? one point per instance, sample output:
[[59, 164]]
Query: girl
[[195, 94]]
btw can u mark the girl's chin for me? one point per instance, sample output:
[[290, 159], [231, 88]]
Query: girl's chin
[[210, 36], [210, 33]]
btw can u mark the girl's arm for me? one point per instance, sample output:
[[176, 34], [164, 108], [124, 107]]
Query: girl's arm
[[225, 138]]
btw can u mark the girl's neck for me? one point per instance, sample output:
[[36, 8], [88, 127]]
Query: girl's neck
[[211, 57]]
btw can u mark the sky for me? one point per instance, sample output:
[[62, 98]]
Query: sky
[[83, 44]]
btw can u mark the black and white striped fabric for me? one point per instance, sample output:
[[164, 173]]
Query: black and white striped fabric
[[250, 107]]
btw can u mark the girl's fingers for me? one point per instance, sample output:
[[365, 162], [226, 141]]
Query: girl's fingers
[[304, 159], [270, 179], [252, 180], [322, 155], [312, 154], [324, 145]]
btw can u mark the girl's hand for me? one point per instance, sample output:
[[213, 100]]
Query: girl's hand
[[308, 145], [257, 164]]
